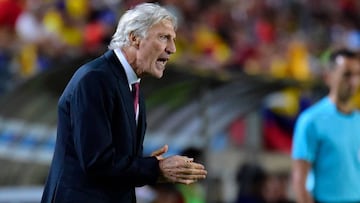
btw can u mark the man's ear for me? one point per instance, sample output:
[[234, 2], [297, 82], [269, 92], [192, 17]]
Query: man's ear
[[326, 76], [134, 40]]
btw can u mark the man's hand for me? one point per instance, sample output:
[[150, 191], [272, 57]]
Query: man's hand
[[181, 169]]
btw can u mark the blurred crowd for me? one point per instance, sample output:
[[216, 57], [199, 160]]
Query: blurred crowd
[[282, 39], [285, 39]]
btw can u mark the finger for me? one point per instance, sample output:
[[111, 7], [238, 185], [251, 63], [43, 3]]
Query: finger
[[176, 179], [160, 151], [195, 165], [191, 176], [195, 172], [174, 162], [185, 181], [187, 159], [185, 176], [183, 172], [183, 159]]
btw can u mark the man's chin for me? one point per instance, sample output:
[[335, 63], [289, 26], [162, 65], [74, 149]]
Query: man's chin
[[159, 73]]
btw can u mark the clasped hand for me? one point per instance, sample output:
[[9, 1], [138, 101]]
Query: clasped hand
[[178, 169]]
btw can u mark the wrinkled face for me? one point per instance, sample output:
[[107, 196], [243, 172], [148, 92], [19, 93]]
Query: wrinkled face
[[345, 78], [155, 49]]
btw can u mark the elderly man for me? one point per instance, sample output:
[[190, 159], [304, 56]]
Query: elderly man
[[101, 118]]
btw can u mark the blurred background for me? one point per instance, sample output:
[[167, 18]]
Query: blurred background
[[242, 73]]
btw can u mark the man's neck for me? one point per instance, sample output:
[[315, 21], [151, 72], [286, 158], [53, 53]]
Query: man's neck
[[130, 55], [343, 106]]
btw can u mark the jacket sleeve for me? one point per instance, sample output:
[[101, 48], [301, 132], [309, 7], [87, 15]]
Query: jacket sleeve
[[91, 117]]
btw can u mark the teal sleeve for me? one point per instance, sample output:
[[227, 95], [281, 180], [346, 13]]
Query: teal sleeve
[[305, 139]]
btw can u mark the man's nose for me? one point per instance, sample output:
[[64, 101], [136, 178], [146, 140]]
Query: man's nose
[[171, 48]]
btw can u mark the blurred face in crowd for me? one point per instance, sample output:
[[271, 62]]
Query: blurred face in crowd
[[154, 50], [344, 79]]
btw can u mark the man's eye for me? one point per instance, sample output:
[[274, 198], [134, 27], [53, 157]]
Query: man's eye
[[163, 37]]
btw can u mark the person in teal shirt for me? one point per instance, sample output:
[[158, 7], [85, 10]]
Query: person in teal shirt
[[326, 143]]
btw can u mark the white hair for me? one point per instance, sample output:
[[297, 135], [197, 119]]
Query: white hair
[[138, 21]]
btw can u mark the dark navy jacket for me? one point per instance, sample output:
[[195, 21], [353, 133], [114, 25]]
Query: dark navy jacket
[[98, 153]]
